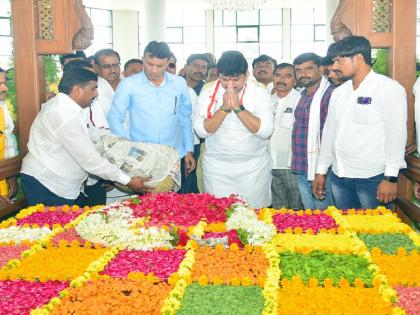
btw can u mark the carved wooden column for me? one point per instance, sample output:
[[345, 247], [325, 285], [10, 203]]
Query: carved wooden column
[[39, 27]]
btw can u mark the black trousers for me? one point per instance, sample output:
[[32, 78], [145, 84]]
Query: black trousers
[[36, 193]]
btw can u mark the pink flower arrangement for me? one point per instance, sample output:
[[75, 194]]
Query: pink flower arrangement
[[306, 221], [8, 252], [182, 209], [231, 234], [409, 299], [161, 262], [51, 217], [69, 235], [19, 297]]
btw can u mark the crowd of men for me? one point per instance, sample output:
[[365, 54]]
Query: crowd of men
[[317, 132]]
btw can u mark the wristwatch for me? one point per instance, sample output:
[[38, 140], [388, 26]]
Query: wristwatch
[[227, 111], [391, 179], [240, 109]]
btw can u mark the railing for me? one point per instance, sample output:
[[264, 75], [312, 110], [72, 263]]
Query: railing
[[407, 210]]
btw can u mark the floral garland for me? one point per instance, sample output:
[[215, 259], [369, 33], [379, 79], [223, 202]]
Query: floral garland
[[18, 234], [305, 243], [244, 218], [271, 286], [128, 297], [181, 209], [180, 280], [388, 294], [113, 228], [91, 273]]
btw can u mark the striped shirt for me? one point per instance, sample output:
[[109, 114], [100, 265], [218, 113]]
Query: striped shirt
[[300, 128]]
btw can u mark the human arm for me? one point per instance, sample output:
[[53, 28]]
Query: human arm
[[200, 114], [329, 130], [258, 116], [13, 186], [185, 120], [394, 113], [190, 162], [80, 148]]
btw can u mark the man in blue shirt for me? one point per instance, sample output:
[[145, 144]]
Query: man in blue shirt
[[159, 106]]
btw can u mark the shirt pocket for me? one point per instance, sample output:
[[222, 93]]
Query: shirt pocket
[[287, 120], [363, 114], [169, 104]]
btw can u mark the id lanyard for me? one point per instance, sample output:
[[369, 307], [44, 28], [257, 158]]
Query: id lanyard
[[213, 97]]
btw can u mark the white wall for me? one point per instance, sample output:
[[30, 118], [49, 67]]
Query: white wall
[[125, 34]]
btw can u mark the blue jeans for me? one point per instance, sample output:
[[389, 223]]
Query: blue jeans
[[308, 199], [358, 193]]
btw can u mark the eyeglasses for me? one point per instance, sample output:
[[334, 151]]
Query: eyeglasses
[[109, 67], [172, 65]]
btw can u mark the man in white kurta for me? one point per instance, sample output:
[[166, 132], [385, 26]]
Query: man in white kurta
[[236, 115]]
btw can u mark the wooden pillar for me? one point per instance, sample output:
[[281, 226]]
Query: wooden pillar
[[29, 46], [30, 86], [403, 54]]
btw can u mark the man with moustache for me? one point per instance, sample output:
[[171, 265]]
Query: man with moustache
[[60, 152], [212, 74], [365, 132], [235, 116], [108, 66], [159, 106], [284, 188], [132, 66], [8, 187], [195, 71], [263, 68], [310, 115]]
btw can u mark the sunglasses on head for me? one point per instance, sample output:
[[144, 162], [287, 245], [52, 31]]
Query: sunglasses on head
[[172, 65]]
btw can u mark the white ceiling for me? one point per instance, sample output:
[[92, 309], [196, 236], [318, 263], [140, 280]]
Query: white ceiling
[[139, 4]]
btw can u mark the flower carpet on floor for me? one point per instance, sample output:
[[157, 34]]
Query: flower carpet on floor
[[197, 254]]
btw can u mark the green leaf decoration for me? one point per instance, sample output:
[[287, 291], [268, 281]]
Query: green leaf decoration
[[388, 242], [221, 300], [323, 265]]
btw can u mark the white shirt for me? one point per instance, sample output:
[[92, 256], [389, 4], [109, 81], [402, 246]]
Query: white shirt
[[281, 139], [194, 100], [270, 87], [365, 130], [105, 94], [61, 153], [95, 116]]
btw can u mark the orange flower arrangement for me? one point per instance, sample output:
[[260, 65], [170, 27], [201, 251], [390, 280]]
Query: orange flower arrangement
[[54, 263], [400, 268], [114, 296], [232, 266], [294, 298]]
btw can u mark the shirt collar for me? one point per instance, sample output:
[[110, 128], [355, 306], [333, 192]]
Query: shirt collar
[[167, 77], [313, 92], [61, 97]]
